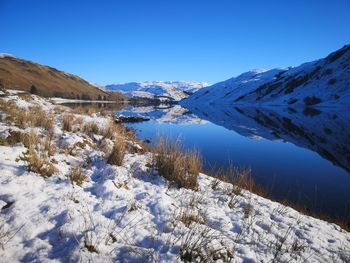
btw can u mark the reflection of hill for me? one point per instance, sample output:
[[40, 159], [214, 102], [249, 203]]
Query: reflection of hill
[[169, 114], [326, 132]]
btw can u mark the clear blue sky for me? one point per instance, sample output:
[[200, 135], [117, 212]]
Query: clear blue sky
[[120, 41]]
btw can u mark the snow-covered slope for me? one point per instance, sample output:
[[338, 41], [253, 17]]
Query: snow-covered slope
[[322, 82], [162, 114], [170, 90], [129, 213]]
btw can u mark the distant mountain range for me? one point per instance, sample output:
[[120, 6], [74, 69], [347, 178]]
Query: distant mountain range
[[20, 74], [162, 90], [324, 82]]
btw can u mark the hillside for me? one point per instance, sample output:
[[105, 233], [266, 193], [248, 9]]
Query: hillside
[[324, 82], [20, 74], [163, 90], [69, 193]]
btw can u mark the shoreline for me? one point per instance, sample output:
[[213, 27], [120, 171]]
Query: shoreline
[[90, 209]]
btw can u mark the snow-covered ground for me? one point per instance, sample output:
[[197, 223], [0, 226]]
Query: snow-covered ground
[[173, 90], [129, 213]]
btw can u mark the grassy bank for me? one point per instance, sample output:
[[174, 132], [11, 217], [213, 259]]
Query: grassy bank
[[76, 186]]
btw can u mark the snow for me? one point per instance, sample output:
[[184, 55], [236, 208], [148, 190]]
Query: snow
[[129, 213], [326, 79], [4, 55], [162, 114], [173, 90], [62, 100]]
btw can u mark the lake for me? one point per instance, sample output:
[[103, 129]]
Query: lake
[[299, 155]]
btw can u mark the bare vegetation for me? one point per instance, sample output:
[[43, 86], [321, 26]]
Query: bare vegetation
[[176, 164], [23, 118], [240, 178], [38, 164], [118, 152], [67, 122], [49, 146], [91, 128], [77, 176], [197, 246]]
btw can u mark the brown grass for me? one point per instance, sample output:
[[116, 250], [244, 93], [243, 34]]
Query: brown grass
[[188, 217], [240, 178], [111, 131], [118, 152], [38, 164], [67, 122], [77, 176], [23, 118], [31, 140], [177, 165], [91, 128], [13, 138], [49, 146], [21, 74]]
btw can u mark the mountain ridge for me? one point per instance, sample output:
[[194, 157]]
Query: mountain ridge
[[166, 90], [46, 81], [323, 82]]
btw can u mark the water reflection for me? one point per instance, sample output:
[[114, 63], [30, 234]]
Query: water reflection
[[326, 132]]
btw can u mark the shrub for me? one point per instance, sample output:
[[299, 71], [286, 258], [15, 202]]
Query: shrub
[[33, 90], [177, 165], [77, 176], [118, 152]]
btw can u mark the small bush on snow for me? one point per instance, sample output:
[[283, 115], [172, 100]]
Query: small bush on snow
[[38, 164], [177, 165], [91, 128], [77, 176], [67, 122], [118, 152]]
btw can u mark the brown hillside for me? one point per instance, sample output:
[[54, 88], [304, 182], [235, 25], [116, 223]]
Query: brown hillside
[[21, 74]]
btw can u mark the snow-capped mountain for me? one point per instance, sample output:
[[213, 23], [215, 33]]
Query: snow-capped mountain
[[164, 90], [322, 82], [162, 114]]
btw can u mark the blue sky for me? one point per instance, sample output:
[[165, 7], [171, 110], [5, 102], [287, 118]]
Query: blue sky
[[120, 41]]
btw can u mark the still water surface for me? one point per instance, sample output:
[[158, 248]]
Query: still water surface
[[299, 155]]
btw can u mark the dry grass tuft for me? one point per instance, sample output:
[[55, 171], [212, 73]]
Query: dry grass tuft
[[13, 138], [31, 140], [188, 217], [177, 165], [111, 131], [240, 178], [118, 152], [198, 246], [91, 128], [67, 122], [49, 146], [77, 176], [38, 164], [23, 118]]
